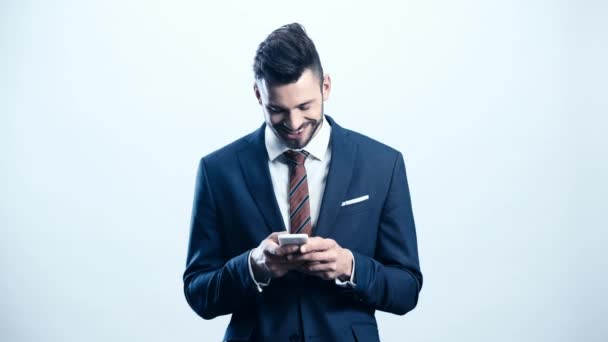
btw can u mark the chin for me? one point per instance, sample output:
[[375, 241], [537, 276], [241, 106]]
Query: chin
[[309, 131], [294, 144]]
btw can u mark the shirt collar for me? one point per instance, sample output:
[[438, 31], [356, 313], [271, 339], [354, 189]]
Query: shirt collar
[[317, 146]]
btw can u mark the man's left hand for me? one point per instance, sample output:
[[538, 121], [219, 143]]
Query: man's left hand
[[324, 258]]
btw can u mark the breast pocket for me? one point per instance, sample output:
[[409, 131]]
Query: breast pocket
[[355, 206], [356, 226]]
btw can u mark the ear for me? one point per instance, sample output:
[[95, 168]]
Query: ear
[[256, 90], [326, 87]]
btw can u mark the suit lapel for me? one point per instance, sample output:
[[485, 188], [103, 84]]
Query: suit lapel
[[254, 164], [341, 166]]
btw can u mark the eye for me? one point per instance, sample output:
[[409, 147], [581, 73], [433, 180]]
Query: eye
[[274, 110], [305, 108]]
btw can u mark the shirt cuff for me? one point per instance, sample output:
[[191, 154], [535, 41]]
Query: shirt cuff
[[351, 281], [259, 285]]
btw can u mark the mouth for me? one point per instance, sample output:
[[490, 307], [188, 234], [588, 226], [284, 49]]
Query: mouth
[[293, 134]]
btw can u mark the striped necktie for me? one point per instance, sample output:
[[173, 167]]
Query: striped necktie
[[299, 205]]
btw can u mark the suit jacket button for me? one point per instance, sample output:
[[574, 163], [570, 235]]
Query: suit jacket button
[[294, 338]]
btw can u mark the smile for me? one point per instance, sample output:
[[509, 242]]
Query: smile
[[293, 133]]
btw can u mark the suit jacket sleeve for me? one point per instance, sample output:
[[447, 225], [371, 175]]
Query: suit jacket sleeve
[[392, 280], [214, 284]]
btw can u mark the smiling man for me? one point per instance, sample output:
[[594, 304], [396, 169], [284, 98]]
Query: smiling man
[[301, 172], [295, 122]]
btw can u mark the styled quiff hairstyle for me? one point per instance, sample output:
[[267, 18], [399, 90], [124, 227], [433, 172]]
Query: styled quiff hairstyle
[[284, 55]]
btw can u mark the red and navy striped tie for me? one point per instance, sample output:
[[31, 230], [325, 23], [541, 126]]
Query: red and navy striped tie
[[299, 205]]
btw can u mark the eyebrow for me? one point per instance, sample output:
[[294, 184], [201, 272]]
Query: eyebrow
[[272, 105]]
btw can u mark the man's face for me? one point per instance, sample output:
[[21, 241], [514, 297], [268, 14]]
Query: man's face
[[294, 111]]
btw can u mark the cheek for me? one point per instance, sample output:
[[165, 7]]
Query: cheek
[[274, 119], [311, 115], [318, 111]]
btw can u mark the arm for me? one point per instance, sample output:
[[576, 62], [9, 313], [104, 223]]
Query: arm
[[214, 284], [392, 280]]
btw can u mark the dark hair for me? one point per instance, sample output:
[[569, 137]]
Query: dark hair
[[284, 55]]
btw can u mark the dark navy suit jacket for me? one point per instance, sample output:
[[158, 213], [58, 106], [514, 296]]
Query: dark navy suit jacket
[[235, 208]]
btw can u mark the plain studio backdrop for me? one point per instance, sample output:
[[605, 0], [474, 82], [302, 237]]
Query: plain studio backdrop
[[499, 108]]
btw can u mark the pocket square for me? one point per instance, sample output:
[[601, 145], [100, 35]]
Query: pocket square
[[355, 200]]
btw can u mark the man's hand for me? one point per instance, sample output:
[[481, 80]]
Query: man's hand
[[269, 260], [324, 258]]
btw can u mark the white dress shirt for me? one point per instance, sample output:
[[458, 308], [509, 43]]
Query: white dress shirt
[[317, 168]]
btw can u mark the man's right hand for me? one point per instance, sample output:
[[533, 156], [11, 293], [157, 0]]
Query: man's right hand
[[269, 260]]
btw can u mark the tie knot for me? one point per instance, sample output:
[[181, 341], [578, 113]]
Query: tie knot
[[297, 157]]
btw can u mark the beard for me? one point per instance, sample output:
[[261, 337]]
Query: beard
[[310, 128]]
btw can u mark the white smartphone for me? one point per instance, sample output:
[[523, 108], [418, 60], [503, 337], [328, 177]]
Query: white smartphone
[[292, 239]]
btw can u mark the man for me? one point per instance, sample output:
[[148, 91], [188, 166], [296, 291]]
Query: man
[[301, 172]]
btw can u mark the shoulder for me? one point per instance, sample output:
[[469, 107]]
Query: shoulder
[[227, 154], [372, 148]]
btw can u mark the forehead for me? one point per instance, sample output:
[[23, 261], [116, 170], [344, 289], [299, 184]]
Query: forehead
[[305, 88]]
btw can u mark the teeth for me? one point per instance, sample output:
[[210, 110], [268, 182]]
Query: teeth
[[295, 132]]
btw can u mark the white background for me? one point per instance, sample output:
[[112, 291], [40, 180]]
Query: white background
[[498, 106]]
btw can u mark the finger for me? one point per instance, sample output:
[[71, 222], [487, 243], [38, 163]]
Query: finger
[[275, 237], [302, 268], [287, 249], [283, 260], [320, 267], [313, 244], [325, 256], [317, 244], [275, 259], [278, 270], [270, 247]]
